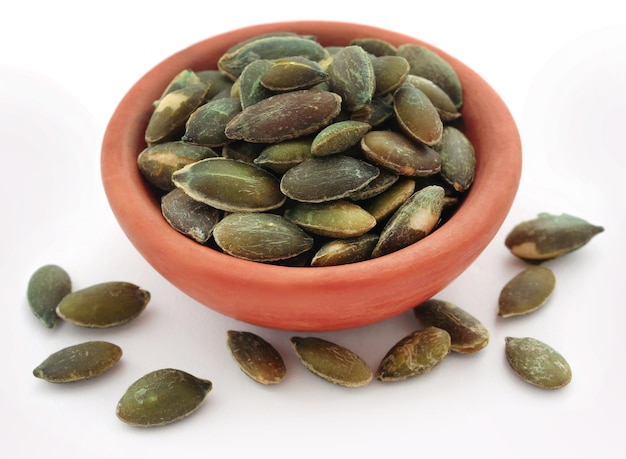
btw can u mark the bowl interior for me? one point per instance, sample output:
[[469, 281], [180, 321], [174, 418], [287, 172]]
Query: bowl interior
[[305, 298]]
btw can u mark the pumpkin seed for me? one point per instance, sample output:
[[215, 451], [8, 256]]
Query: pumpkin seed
[[440, 99], [282, 156], [385, 204], [332, 362], [467, 333], [103, 305], [261, 237], [78, 362], [375, 46], [413, 221], [216, 81], [47, 286], [377, 186], [415, 354], [338, 137], [230, 185], [290, 74], [389, 73], [417, 116], [284, 116], [205, 126], [526, 292], [335, 219], [242, 151], [251, 89], [379, 110], [162, 397], [549, 236], [256, 357], [352, 77], [458, 159], [184, 78], [537, 363], [188, 216], [345, 251]]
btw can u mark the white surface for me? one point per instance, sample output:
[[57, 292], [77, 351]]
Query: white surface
[[64, 66]]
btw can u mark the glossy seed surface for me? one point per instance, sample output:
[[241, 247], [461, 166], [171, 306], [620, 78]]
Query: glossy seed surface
[[79, 362], [332, 362], [467, 333], [537, 363], [415, 354], [47, 286], [526, 292], [162, 397], [256, 357], [103, 305]]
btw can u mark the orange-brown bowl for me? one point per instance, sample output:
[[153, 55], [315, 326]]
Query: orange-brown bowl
[[312, 298]]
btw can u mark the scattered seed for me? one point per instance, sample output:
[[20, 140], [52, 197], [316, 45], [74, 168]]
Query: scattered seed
[[47, 286], [256, 357], [526, 292], [537, 363]]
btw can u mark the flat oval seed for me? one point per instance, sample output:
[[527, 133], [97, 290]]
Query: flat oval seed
[[206, 125], [104, 305], [375, 46], [549, 236], [230, 185], [352, 77], [332, 362], [417, 116], [385, 204], [188, 216], [440, 99], [467, 333], [47, 286], [526, 292], [338, 137], [335, 219], [251, 90], [380, 184], [282, 156], [261, 237], [415, 354], [389, 73], [162, 397], [290, 74], [79, 362], [327, 178], [458, 159], [345, 251], [537, 363], [285, 116], [256, 357]]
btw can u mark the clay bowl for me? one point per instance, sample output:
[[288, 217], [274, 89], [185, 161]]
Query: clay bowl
[[312, 298]]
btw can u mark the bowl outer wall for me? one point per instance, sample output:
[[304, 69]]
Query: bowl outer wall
[[306, 298]]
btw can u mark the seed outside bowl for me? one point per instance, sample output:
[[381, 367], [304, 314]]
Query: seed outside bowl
[[312, 298]]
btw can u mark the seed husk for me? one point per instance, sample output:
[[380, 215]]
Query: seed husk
[[293, 73], [413, 221], [338, 137], [415, 354], [251, 89], [205, 126], [261, 237], [549, 236], [467, 333], [389, 73], [537, 363], [282, 156], [440, 99], [332, 362], [335, 219], [352, 77], [417, 116], [526, 292], [458, 158], [380, 184], [385, 204], [47, 286], [345, 251], [103, 305], [256, 357], [285, 116], [230, 185], [188, 216], [79, 362], [162, 397]]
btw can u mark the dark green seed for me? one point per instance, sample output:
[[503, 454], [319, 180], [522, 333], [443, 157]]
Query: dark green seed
[[256, 357], [335, 219], [458, 159], [526, 292], [417, 116], [206, 125], [537, 363], [188, 216], [352, 77], [345, 251], [46, 288]]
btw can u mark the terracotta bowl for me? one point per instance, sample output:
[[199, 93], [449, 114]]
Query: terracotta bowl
[[312, 298]]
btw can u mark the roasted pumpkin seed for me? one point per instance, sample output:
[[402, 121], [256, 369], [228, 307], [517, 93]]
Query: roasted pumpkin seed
[[162, 397], [458, 159], [103, 305], [47, 286], [415, 354], [188, 216], [205, 126], [389, 73], [467, 333], [184, 78], [345, 251], [385, 204], [282, 156], [440, 99], [290, 74], [417, 116], [549, 236], [352, 77], [375, 46], [332, 362], [380, 184], [338, 137], [526, 292], [79, 362], [537, 363], [334, 219], [256, 357], [251, 89]]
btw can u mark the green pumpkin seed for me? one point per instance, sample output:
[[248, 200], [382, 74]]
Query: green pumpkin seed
[[332, 362], [256, 357], [206, 125], [338, 137], [47, 286], [184, 78], [285, 116], [458, 159], [158, 162], [389, 73], [352, 77], [467, 333], [327, 178], [415, 354], [79, 362], [230, 185], [282, 156], [293, 73], [440, 99], [413, 221], [526, 292], [385, 204], [188, 216], [377, 186], [399, 154], [417, 116], [375, 46], [549, 236], [335, 219], [345, 251], [104, 305], [216, 82], [379, 110], [261, 237], [537, 363], [162, 397], [251, 89]]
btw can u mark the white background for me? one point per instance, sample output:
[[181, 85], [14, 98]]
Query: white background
[[559, 66]]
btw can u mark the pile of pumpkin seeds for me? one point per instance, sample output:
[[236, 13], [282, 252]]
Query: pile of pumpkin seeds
[[295, 153]]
